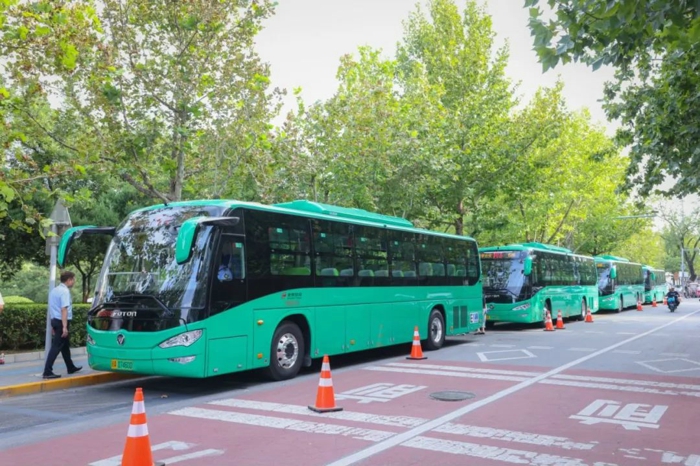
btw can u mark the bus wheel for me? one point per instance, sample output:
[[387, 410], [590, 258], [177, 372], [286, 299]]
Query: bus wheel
[[584, 307], [286, 352], [622, 305], [436, 331]]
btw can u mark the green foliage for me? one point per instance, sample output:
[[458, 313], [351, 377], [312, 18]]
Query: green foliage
[[32, 282], [23, 326], [655, 48], [17, 300]]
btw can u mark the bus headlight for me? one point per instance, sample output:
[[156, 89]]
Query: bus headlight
[[183, 339], [522, 307]]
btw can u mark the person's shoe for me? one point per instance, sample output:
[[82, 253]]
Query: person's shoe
[[51, 376], [75, 369]]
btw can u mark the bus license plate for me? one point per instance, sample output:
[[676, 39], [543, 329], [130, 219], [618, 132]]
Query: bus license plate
[[488, 317], [121, 365]]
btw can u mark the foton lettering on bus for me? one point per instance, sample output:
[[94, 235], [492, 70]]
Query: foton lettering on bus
[[117, 314]]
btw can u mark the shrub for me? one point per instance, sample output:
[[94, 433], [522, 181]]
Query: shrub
[[23, 326], [17, 300]]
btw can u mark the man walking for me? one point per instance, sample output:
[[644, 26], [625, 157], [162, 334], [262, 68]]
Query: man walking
[[61, 311]]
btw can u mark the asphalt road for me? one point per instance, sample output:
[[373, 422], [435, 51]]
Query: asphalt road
[[621, 391]]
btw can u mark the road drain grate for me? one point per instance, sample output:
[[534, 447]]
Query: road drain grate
[[452, 395]]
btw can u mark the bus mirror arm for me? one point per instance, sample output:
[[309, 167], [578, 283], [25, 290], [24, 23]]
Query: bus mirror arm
[[188, 233]]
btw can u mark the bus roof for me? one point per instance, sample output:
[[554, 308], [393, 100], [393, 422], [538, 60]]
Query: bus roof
[[606, 257], [528, 246], [649, 267], [315, 210]]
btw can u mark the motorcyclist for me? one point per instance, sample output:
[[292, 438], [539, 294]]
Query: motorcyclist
[[673, 293]]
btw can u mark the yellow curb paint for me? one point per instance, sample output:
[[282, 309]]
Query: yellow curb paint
[[63, 383]]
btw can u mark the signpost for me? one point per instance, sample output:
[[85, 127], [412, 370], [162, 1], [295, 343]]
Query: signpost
[[61, 222]]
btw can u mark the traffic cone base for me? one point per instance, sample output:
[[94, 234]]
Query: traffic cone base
[[653, 301], [137, 450], [639, 305], [325, 398], [560, 321], [589, 316], [416, 350], [548, 327]]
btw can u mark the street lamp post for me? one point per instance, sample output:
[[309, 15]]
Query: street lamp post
[[61, 222]]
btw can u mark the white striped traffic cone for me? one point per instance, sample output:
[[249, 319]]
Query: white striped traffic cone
[[325, 398]]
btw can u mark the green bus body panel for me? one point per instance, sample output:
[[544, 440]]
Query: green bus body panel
[[627, 294], [232, 340], [659, 289], [66, 240], [567, 299], [345, 212]]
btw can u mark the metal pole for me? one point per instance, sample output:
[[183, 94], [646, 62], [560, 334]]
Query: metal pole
[[52, 285], [682, 267]]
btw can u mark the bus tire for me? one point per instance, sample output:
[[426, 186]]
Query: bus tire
[[622, 304], [286, 352], [584, 308], [436, 331]]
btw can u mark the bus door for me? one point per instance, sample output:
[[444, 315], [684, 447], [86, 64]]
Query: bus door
[[229, 285]]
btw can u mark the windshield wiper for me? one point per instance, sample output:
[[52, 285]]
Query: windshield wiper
[[502, 289]]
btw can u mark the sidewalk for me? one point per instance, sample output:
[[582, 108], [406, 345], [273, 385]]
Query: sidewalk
[[22, 374]]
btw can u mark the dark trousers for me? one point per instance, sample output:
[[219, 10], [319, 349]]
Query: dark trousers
[[58, 345]]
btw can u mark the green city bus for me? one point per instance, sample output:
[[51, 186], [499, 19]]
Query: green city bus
[[522, 281], [203, 288], [655, 286], [620, 282]]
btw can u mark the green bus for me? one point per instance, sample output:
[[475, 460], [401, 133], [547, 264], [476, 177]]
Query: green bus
[[655, 286], [522, 281], [203, 288], [620, 282]]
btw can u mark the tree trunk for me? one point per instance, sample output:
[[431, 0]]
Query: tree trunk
[[459, 221]]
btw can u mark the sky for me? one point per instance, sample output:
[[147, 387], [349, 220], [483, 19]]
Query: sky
[[304, 40]]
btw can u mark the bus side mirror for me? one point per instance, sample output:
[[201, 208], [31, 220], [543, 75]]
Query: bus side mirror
[[187, 234], [74, 233], [527, 266], [613, 272]]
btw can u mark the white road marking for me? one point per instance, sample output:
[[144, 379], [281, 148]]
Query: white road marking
[[502, 346], [625, 333], [585, 350], [593, 331], [447, 373], [676, 355], [540, 347], [462, 369], [488, 356], [284, 423], [431, 425], [619, 351], [193, 455], [396, 421], [506, 455], [622, 388]]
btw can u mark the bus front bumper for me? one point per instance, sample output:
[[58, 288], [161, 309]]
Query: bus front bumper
[[501, 313], [175, 362]]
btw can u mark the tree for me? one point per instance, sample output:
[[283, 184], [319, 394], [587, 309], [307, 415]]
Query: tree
[[683, 233], [655, 48], [155, 84]]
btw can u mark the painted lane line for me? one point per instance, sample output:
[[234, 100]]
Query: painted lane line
[[396, 421], [447, 373], [193, 455], [462, 369], [444, 419], [540, 347], [505, 455], [406, 421], [585, 350], [502, 346], [620, 351], [593, 331], [284, 423], [513, 436], [625, 333], [622, 388], [676, 355], [647, 383]]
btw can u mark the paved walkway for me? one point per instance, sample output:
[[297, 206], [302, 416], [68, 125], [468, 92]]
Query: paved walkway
[[22, 373]]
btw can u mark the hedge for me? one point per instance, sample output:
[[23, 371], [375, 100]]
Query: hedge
[[23, 326]]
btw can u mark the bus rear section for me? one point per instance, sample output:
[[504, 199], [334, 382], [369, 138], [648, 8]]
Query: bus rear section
[[620, 283]]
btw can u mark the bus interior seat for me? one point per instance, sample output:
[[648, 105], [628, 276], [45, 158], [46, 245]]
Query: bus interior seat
[[381, 273], [410, 273], [329, 272], [296, 271], [346, 273], [425, 269], [438, 270], [461, 272], [365, 273], [397, 273], [451, 270]]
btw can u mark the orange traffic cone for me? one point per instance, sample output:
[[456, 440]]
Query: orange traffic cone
[[325, 399], [560, 321], [665, 302], [137, 451], [589, 316], [653, 301], [639, 305], [416, 350], [548, 327]]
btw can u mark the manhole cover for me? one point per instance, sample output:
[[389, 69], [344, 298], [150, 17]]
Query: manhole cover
[[451, 395]]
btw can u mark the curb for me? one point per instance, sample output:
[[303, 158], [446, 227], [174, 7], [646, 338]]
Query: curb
[[38, 355], [63, 383]]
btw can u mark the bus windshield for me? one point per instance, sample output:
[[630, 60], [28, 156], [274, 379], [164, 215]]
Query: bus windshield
[[503, 276], [605, 284], [140, 266]]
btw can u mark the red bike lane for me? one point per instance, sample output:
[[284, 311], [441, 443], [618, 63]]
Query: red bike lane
[[569, 418]]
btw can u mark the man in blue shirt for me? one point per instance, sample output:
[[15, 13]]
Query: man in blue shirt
[[61, 312]]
